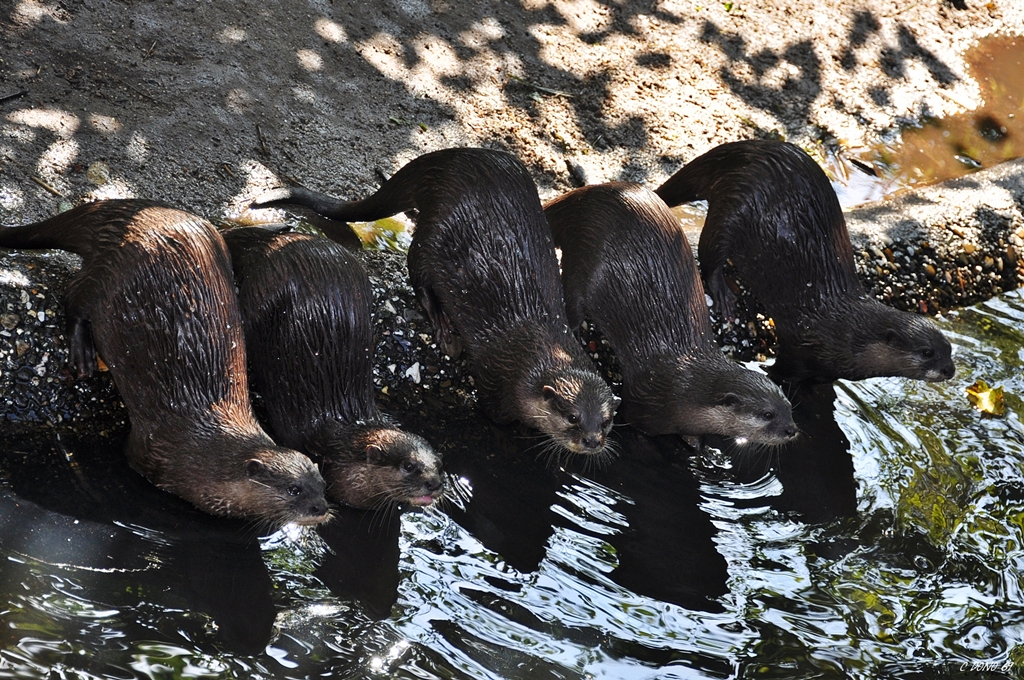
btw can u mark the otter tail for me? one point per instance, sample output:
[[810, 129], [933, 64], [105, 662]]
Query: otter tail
[[395, 196], [417, 185], [695, 181], [56, 232]]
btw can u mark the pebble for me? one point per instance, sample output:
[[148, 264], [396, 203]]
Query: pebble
[[413, 372], [98, 173]]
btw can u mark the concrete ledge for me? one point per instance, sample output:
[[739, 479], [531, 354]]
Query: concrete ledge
[[927, 250], [944, 246]]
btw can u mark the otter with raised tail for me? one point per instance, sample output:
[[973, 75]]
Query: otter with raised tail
[[155, 300], [774, 216], [306, 304], [483, 265], [627, 266]]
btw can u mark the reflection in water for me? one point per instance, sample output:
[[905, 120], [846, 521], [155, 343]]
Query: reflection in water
[[666, 548], [644, 506], [130, 546], [815, 470], [361, 562], [512, 493]]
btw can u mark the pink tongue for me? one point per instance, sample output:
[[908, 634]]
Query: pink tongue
[[422, 500]]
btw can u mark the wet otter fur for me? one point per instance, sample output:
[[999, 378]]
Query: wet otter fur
[[305, 305], [484, 268], [154, 299], [627, 266], [773, 214]]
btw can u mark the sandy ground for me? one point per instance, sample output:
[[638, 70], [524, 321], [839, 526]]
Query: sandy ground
[[205, 105]]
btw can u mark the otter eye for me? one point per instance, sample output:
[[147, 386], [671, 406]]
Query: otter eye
[[768, 415], [928, 353], [294, 490], [573, 418], [606, 423], [409, 466]]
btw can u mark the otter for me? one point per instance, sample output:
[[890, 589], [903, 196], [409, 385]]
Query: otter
[[305, 305], [484, 268], [774, 216], [154, 300], [627, 266]]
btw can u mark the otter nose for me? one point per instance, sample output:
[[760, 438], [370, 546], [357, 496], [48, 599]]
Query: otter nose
[[948, 371], [317, 509], [433, 485], [790, 431], [592, 442]]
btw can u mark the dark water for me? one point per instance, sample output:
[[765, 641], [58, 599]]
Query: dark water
[[886, 543]]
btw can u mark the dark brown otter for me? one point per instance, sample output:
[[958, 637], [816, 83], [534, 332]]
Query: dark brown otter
[[773, 214], [627, 266], [305, 305], [154, 299], [484, 267]]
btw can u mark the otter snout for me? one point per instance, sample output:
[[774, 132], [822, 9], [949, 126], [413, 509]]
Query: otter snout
[[316, 513], [430, 490], [945, 371]]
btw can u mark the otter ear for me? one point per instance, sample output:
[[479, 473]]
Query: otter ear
[[552, 396], [375, 455], [254, 467], [729, 400]]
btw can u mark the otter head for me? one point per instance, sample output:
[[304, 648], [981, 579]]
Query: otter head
[[886, 341], [576, 409], [746, 406], [384, 466], [282, 486], [704, 393], [860, 338]]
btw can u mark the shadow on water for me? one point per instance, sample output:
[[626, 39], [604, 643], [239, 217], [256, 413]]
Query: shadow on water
[[940, 149]]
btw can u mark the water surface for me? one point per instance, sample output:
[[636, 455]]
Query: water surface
[[885, 543]]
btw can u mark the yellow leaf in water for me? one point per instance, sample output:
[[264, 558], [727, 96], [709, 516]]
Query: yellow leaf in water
[[988, 400]]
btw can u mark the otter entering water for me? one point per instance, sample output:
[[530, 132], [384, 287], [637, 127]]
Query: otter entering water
[[484, 268], [305, 305], [773, 214], [627, 266], [154, 299]]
